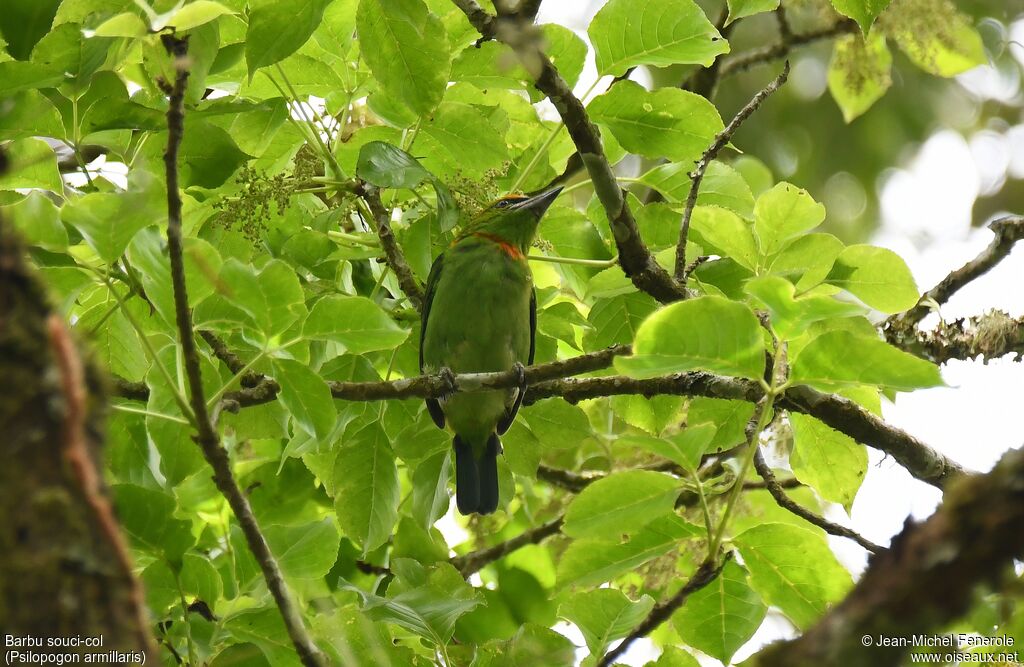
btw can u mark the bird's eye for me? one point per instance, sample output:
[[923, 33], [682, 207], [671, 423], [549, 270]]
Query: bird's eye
[[503, 203]]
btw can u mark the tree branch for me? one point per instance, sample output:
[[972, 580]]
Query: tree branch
[[723, 138], [842, 414], [704, 575], [787, 503], [207, 437], [744, 61], [473, 561], [992, 335], [392, 251], [634, 257], [1008, 231], [926, 579]]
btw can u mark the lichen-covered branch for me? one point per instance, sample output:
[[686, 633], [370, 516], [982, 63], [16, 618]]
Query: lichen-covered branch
[[990, 336], [720, 141], [634, 257], [787, 503], [1008, 231], [207, 436], [926, 579], [842, 414]]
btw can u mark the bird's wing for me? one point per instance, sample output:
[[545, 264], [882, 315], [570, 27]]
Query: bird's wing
[[433, 406]]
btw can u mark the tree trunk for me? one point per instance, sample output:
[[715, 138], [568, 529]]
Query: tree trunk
[[65, 570]]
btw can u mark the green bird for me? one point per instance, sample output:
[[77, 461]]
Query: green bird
[[480, 315]]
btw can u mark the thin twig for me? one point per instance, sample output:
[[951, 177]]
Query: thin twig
[[634, 257], [392, 251], [705, 574], [207, 437], [1008, 231], [748, 59], [473, 561], [723, 138], [787, 503]]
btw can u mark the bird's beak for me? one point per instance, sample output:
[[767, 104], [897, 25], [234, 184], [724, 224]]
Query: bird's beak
[[540, 203]]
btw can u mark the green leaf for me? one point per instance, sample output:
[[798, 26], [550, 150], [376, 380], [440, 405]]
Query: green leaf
[[16, 76], [944, 44], [729, 418], [388, 166], [791, 315], [31, 164], [782, 213], [24, 22], [307, 551], [271, 298], [277, 28], [833, 463], [707, 333], [741, 8], [673, 656], [604, 615], [877, 276], [67, 49], [114, 340], [108, 221], [196, 578], [306, 396], [724, 233], [209, 155], [557, 424], [37, 219], [668, 122], [459, 138], [721, 186], [407, 50], [619, 504], [859, 73], [685, 447], [264, 628], [148, 255], [625, 34], [807, 260], [125, 24], [589, 562], [354, 321], [719, 618], [841, 358], [864, 12], [616, 320], [429, 609], [366, 489], [777, 556], [199, 12], [147, 516], [29, 114], [430, 488]]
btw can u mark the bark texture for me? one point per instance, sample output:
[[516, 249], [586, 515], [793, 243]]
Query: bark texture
[[65, 569]]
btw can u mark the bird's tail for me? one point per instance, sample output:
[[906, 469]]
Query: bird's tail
[[476, 479]]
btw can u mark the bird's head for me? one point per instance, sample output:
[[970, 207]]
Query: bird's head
[[513, 218]]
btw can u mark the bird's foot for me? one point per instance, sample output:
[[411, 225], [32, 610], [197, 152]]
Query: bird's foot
[[520, 372], [451, 385]]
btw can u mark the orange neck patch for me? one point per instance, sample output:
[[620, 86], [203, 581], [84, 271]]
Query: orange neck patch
[[507, 247]]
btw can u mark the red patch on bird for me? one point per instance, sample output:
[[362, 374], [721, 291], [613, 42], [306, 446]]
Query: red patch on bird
[[507, 247]]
